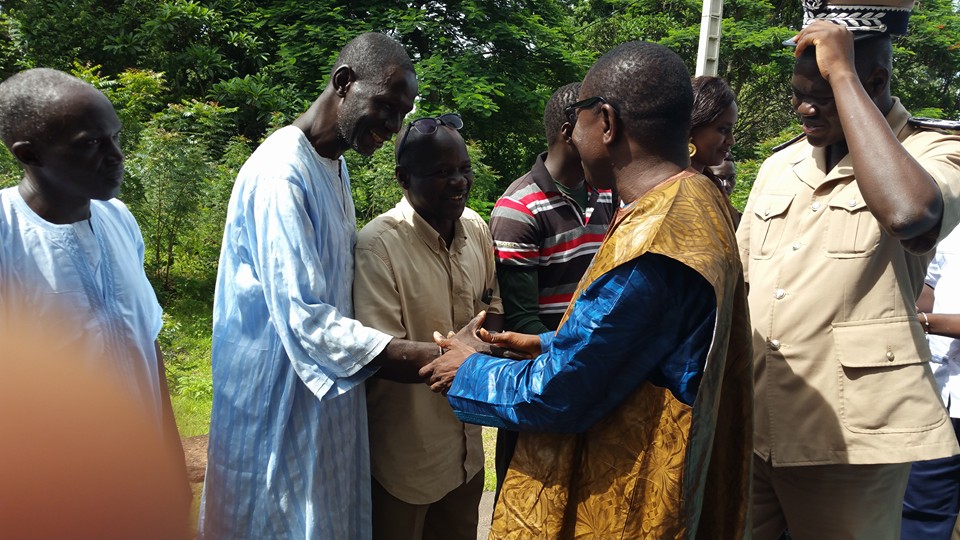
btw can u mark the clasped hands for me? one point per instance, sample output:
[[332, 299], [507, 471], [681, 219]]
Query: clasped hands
[[472, 338]]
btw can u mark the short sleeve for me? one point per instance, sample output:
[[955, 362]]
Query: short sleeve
[[516, 234]]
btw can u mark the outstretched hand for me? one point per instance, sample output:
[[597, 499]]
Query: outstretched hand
[[471, 336], [457, 347], [517, 345], [439, 374]]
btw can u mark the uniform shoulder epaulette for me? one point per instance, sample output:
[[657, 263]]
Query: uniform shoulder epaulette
[[783, 145], [946, 126]]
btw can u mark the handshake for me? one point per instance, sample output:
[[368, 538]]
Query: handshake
[[472, 338]]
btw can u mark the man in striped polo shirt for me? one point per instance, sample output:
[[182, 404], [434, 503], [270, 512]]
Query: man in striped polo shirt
[[546, 228]]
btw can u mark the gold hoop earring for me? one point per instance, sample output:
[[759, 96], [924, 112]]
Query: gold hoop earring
[[692, 148]]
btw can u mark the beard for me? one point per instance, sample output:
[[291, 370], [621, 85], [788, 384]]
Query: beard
[[348, 118]]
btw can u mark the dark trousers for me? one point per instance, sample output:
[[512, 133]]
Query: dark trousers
[[932, 499], [454, 517], [506, 443]]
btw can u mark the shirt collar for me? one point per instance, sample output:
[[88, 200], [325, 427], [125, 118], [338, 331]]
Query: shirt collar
[[428, 234], [545, 181], [810, 166]]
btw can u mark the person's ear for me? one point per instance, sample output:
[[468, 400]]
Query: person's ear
[[877, 82], [566, 132], [343, 78], [403, 178], [25, 153], [608, 121]]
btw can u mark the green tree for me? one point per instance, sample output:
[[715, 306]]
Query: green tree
[[184, 191], [926, 61], [752, 58]]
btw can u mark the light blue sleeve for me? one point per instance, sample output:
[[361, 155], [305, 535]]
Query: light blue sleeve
[[934, 270], [327, 349], [155, 322], [650, 319]]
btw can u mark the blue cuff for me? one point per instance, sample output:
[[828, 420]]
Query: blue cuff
[[546, 339]]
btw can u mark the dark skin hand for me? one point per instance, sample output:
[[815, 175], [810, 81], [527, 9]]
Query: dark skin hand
[[440, 373], [526, 345], [944, 324], [941, 324], [404, 361], [401, 359], [900, 194]]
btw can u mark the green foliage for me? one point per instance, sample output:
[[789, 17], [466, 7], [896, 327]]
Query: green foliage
[[186, 343], [752, 58], [485, 190], [373, 183], [11, 57], [10, 171], [926, 60], [184, 190], [257, 102], [747, 169]]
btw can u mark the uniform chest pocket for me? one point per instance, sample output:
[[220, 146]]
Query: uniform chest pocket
[[851, 230], [769, 223]]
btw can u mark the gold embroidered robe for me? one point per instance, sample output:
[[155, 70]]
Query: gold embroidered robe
[[655, 467]]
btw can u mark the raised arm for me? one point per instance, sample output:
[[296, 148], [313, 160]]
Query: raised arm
[[900, 193]]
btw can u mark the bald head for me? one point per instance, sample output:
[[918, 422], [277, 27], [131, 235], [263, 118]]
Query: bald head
[[650, 87], [371, 54], [30, 99]]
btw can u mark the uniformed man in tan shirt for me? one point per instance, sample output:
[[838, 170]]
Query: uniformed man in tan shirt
[[835, 239]]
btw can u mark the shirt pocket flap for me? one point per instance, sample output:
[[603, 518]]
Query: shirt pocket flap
[[884, 342], [770, 206], [848, 198]]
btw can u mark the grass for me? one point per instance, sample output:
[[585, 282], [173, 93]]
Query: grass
[[489, 447], [186, 343]]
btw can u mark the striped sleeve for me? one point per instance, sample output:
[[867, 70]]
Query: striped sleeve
[[516, 233]]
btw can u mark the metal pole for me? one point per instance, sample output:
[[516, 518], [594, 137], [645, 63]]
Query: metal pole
[[709, 50]]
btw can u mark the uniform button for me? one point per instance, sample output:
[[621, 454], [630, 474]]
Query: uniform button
[[766, 212], [815, 206], [796, 246], [775, 344], [851, 203], [779, 293], [891, 356]]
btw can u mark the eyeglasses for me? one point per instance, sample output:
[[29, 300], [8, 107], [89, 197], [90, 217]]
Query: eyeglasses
[[571, 110], [429, 126]]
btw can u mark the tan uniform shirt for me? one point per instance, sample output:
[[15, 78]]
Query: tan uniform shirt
[[840, 359], [409, 284]]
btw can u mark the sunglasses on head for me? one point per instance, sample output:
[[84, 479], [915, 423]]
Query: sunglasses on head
[[429, 126]]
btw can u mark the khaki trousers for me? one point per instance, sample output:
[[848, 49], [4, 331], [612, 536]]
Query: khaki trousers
[[828, 502], [453, 517]]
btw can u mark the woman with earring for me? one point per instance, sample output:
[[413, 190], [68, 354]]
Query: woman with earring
[[711, 128]]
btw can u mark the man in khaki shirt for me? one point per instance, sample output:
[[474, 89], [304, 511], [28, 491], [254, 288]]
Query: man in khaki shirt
[[423, 266], [835, 240]]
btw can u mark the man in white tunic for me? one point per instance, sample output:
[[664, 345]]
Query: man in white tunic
[[288, 454], [74, 298]]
